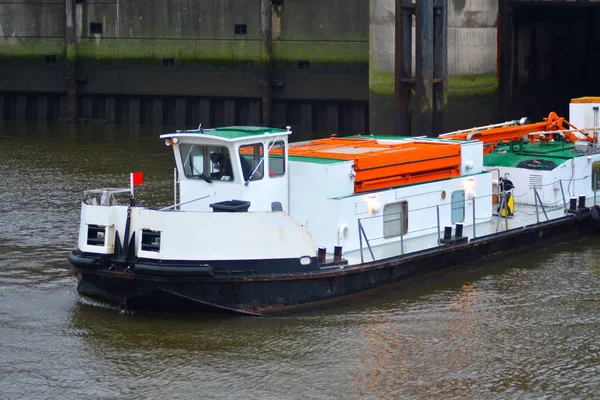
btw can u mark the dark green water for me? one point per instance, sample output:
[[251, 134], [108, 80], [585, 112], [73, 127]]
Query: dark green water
[[524, 327]]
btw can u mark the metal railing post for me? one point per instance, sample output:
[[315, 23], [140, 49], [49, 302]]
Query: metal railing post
[[438, 223], [401, 233], [502, 204], [362, 259], [535, 197], [474, 236], [506, 218], [174, 185]]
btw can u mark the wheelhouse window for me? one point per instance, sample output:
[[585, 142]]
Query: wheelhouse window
[[206, 162], [276, 159], [395, 219], [253, 165]]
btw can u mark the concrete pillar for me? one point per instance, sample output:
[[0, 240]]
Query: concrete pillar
[[1, 107], [21, 107], [204, 113], [229, 112], [180, 112], [86, 107], [254, 113], [306, 118], [42, 108], [110, 108], [332, 119], [157, 111], [134, 110]]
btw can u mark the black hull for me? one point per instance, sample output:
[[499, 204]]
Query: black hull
[[280, 293]]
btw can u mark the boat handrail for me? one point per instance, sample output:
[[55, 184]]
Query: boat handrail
[[107, 195], [180, 204]]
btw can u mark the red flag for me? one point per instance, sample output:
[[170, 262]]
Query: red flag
[[137, 178]]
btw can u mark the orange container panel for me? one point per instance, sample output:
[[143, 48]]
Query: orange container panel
[[379, 165]]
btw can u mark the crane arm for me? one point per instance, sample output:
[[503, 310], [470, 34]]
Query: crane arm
[[516, 130]]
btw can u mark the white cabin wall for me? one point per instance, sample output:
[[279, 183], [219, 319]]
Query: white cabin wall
[[550, 191], [582, 115], [422, 213], [111, 217], [471, 154], [222, 236], [308, 200]]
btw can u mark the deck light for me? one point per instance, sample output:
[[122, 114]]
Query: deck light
[[374, 206]]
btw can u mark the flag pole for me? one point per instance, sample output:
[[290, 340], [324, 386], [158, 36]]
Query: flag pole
[[131, 184]]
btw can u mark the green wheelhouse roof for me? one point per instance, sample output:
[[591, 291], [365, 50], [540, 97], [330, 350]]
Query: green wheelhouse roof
[[229, 133], [235, 132]]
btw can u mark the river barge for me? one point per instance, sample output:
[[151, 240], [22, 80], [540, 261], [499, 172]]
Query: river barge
[[262, 226]]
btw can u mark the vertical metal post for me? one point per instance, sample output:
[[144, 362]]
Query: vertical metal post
[[474, 219], [563, 194], [175, 186], [266, 15], [438, 223], [535, 198], [362, 259], [401, 233], [71, 61], [502, 205], [506, 205]]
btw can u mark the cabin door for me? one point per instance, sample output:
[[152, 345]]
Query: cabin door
[[458, 206]]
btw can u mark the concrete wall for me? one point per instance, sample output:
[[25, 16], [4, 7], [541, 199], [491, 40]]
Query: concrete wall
[[210, 59]]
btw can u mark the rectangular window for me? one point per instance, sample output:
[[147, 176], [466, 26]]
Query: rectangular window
[[206, 162], [253, 165], [95, 28], [457, 206], [277, 159], [596, 175], [395, 219], [168, 62], [240, 29]]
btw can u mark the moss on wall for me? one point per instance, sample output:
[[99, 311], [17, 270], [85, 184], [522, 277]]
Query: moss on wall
[[382, 83], [13, 50], [205, 52]]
